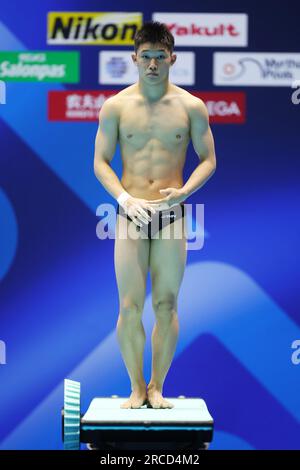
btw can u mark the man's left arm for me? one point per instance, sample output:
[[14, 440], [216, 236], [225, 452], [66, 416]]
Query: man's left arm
[[203, 144], [204, 147]]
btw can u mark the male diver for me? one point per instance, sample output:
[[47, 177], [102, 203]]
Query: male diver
[[153, 120]]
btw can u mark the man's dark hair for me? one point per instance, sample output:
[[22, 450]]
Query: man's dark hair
[[154, 32]]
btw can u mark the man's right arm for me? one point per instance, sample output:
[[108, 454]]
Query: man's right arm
[[105, 147]]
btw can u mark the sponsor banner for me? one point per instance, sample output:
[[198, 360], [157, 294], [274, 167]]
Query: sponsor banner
[[93, 28], [224, 107], [38, 66], [206, 29], [84, 105], [78, 105], [117, 67], [256, 68]]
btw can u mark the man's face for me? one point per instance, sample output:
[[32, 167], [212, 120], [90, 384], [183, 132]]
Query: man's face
[[153, 62]]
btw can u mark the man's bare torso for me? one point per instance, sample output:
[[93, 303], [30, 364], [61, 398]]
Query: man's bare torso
[[153, 140]]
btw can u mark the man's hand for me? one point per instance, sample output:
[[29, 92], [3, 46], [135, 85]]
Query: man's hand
[[171, 197], [136, 209]]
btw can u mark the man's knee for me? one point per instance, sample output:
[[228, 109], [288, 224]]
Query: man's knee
[[165, 305], [130, 309]]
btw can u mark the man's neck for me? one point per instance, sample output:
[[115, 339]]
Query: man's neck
[[153, 92]]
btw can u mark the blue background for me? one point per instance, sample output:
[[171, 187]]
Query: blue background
[[239, 301]]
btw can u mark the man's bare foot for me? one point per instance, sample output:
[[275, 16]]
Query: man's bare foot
[[156, 400], [137, 399]]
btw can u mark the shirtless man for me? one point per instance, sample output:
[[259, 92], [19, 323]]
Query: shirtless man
[[153, 120]]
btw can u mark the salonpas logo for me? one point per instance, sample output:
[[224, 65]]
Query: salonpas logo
[[39, 67], [93, 28]]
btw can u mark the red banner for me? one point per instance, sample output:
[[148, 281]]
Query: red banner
[[80, 105]]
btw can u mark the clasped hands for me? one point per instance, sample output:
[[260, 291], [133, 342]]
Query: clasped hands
[[136, 208]]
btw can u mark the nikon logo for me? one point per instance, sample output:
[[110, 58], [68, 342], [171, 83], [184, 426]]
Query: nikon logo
[[93, 28]]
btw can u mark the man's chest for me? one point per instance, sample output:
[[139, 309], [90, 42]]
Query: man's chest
[[168, 123]]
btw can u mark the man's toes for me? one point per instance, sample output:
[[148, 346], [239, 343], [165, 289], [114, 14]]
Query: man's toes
[[126, 405], [136, 404], [169, 405], [151, 404], [155, 404], [166, 404]]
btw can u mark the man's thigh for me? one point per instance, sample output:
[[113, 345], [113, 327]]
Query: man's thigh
[[131, 258], [167, 261]]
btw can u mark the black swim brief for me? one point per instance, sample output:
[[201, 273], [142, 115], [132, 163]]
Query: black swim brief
[[160, 219]]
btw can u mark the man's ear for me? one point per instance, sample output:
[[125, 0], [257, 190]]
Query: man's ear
[[173, 58], [133, 56]]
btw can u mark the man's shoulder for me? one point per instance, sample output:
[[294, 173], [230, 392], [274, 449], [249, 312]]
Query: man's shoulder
[[115, 102], [112, 106], [128, 91], [123, 95], [192, 102], [195, 107]]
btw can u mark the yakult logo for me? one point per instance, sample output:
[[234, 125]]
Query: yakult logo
[[206, 29]]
